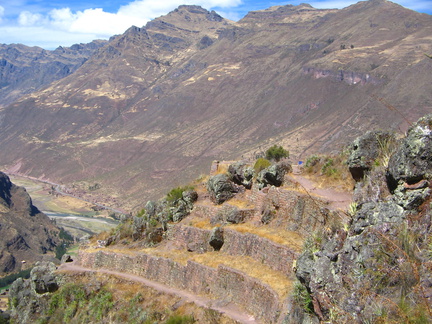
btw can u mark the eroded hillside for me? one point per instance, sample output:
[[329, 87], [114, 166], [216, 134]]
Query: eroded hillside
[[157, 104], [27, 235], [261, 242]]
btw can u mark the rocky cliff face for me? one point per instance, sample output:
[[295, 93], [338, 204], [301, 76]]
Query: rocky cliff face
[[27, 235], [377, 268], [26, 69], [157, 104]]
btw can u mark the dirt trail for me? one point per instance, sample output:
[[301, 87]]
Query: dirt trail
[[337, 199], [218, 305]]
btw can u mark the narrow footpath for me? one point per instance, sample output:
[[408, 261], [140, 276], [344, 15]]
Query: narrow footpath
[[229, 310]]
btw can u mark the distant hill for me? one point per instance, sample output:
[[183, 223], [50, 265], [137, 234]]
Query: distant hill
[[26, 69], [154, 106], [26, 234]]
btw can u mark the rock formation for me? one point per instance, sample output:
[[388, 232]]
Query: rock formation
[[27, 235], [382, 255]]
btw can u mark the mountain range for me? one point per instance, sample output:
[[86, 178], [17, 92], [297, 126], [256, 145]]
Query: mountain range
[[151, 108]]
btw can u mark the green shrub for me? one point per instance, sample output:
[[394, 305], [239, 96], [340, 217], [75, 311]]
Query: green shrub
[[177, 193], [302, 297], [261, 164], [180, 319], [312, 161], [276, 153]]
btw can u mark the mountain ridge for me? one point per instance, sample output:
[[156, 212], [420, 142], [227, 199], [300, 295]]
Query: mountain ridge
[[157, 104]]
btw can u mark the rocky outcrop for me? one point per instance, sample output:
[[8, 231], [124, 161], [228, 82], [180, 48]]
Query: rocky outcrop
[[273, 175], [381, 256], [350, 77], [26, 234], [365, 150], [221, 188], [241, 174], [412, 161], [29, 297]]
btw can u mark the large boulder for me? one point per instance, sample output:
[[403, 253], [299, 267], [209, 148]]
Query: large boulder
[[273, 175], [365, 150], [221, 188], [241, 174], [216, 239], [377, 213], [43, 279], [412, 161]]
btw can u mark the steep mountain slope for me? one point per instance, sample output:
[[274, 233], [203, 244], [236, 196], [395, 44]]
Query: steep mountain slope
[[26, 69], [26, 233], [157, 103]]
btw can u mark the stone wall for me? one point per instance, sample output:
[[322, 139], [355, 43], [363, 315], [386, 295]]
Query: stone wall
[[276, 256], [223, 283]]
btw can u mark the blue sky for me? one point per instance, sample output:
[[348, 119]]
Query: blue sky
[[51, 23]]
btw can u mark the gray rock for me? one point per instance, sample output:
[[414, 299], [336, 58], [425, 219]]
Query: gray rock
[[241, 174], [180, 211], [150, 208], [234, 216], [216, 240], [273, 175], [138, 227], [412, 161], [410, 199], [43, 279], [190, 196], [66, 258], [365, 150], [221, 188], [374, 213]]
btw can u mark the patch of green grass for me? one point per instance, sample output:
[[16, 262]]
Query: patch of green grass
[[261, 164]]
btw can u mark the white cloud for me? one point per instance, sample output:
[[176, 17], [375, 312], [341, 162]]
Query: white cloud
[[332, 4], [26, 18], [94, 22], [62, 26]]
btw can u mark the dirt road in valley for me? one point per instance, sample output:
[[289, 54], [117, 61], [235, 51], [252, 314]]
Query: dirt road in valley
[[228, 309]]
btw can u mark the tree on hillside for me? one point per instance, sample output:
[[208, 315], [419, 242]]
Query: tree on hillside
[[276, 153]]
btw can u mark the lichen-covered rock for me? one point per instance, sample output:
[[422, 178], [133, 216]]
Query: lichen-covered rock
[[180, 210], [410, 199], [138, 227], [273, 175], [42, 277], [375, 213], [412, 161], [221, 188], [190, 196], [150, 208], [365, 150], [216, 240], [29, 298], [241, 174], [372, 188]]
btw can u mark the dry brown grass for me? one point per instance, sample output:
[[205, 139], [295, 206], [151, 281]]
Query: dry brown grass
[[241, 203], [276, 235], [335, 176], [279, 236]]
